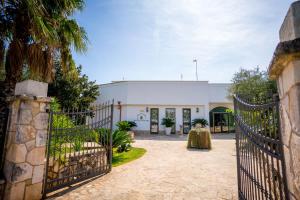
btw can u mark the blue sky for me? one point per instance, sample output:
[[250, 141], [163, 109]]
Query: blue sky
[[158, 39]]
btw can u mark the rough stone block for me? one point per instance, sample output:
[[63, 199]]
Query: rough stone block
[[295, 151], [28, 105], [290, 76], [40, 121], [7, 169], [285, 125], [294, 107], [38, 174], [30, 145], [36, 156], [33, 192], [15, 191], [16, 153], [290, 28], [25, 133], [41, 138], [25, 117], [31, 88], [43, 107], [21, 172]]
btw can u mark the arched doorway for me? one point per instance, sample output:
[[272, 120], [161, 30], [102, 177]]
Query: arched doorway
[[221, 120]]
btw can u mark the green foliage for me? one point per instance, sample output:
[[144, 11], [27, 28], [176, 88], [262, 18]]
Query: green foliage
[[124, 147], [33, 32], [72, 89], [103, 136], [132, 124], [253, 85], [120, 138], [201, 121], [123, 126], [168, 122]]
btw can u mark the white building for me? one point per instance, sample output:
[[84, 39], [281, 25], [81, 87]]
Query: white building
[[147, 102]]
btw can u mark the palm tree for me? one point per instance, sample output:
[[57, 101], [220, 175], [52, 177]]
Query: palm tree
[[32, 34]]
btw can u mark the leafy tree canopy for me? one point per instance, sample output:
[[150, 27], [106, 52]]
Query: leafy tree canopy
[[252, 84], [33, 32], [73, 89]]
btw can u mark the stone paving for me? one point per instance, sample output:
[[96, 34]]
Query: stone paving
[[169, 171]]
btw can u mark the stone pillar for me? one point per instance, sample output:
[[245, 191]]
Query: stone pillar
[[285, 69], [26, 141]]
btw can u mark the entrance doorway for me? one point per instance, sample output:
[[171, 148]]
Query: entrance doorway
[[186, 120], [171, 113], [154, 120], [221, 121]]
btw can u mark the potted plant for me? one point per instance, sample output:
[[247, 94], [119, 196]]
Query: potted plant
[[202, 122], [168, 123]]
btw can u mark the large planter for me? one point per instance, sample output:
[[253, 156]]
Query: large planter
[[168, 130]]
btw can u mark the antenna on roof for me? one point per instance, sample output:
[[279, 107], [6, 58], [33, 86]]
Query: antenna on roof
[[195, 61]]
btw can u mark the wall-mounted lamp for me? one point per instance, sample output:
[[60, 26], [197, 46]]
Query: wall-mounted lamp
[[147, 109], [197, 110], [120, 108]]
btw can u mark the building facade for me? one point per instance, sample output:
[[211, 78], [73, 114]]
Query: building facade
[[148, 102]]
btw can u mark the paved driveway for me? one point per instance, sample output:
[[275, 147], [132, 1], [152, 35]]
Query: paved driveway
[[169, 171]]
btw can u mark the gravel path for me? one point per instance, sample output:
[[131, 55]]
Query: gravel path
[[169, 171]]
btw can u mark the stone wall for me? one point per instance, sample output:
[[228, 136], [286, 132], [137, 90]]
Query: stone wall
[[25, 147], [285, 69]]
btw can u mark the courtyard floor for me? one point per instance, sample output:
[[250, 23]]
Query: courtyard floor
[[168, 170]]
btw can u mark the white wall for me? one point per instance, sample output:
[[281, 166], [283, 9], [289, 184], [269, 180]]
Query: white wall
[[135, 96], [114, 91], [218, 93], [132, 113]]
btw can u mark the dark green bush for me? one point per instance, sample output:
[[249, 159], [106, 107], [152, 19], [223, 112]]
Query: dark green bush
[[124, 147], [131, 124], [126, 125], [123, 126], [168, 122], [120, 139], [201, 121]]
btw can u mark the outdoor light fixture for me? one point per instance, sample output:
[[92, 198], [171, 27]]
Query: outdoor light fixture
[[197, 110], [147, 109]]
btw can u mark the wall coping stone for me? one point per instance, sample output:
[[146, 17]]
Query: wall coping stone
[[285, 52], [290, 28], [31, 87], [29, 98]]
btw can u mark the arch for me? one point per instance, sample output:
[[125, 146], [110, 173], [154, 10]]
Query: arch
[[221, 120]]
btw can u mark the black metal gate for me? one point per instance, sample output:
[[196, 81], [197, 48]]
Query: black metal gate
[[260, 158], [79, 145]]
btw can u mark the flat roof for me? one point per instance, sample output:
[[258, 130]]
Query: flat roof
[[167, 81]]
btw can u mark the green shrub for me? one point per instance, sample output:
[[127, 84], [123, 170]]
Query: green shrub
[[201, 121], [123, 147], [120, 138], [132, 124], [123, 126], [103, 136], [168, 122]]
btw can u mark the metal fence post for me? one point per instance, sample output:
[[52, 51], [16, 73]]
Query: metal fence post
[[111, 132]]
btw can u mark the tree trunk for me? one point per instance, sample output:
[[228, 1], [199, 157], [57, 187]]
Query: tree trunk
[[5, 91]]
